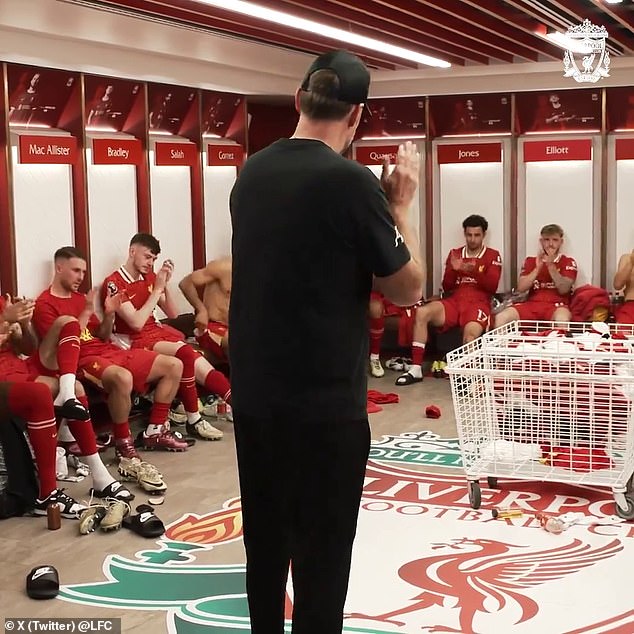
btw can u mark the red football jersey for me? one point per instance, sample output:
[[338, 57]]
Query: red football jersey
[[48, 308], [479, 283], [137, 291], [543, 289]]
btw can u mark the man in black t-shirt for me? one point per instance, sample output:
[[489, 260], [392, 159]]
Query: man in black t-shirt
[[311, 230]]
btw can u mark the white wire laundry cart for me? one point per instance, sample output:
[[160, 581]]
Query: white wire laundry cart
[[547, 402]]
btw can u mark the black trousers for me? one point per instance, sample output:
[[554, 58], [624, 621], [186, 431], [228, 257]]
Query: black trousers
[[301, 487]]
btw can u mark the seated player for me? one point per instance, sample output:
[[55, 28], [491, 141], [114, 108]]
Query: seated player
[[472, 274], [56, 355], [15, 369], [136, 326], [212, 309], [114, 370], [548, 277], [624, 281]]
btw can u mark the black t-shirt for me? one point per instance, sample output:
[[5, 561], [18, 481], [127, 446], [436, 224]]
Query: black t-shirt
[[310, 229]]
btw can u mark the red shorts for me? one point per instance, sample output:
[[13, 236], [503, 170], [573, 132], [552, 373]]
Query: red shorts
[[389, 309], [16, 370], [138, 362], [460, 312], [151, 335], [538, 311], [212, 337], [625, 313]]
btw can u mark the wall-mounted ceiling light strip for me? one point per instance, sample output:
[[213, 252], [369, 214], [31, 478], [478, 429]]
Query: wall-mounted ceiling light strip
[[565, 42], [279, 17]]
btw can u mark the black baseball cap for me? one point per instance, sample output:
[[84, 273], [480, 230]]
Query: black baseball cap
[[354, 77]]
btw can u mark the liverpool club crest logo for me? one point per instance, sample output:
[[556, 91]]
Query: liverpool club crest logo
[[587, 59]]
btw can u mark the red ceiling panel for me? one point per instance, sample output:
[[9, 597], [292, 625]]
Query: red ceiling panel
[[458, 31]]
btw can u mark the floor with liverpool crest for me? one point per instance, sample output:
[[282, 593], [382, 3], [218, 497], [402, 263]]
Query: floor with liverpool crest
[[424, 560]]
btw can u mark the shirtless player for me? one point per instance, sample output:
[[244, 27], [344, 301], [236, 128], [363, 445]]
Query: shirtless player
[[624, 281], [212, 311]]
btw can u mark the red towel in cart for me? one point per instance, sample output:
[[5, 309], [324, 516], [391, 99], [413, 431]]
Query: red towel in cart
[[384, 398], [582, 459], [373, 408]]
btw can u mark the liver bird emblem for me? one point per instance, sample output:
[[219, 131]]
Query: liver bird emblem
[[481, 576]]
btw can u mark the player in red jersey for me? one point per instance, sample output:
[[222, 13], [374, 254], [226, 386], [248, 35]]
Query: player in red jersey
[[41, 424], [114, 370], [548, 277], [136, 326], [472, 275]]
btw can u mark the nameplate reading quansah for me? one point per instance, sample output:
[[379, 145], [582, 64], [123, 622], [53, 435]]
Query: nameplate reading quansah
[[116, 151], [48, 149], [564, 150]]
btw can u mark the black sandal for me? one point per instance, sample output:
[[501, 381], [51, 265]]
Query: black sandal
[[72, 409], [145, 523], [115, 491], [407, 379]]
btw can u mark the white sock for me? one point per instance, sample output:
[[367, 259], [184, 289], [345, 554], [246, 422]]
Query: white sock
[[66, 389], [101, 477], [153, 430], [374, 357], [193, 417], [416, 371], [63, 433]]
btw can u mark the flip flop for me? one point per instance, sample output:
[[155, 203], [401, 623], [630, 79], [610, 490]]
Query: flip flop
[[115, 491], [72, 409], [145, 523], [42, 583], [407, 379]]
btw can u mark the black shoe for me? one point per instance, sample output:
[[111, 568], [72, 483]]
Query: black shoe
[[72, 409], [69, 507]]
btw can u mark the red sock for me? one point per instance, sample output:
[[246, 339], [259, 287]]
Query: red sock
[[418, 353], [68, 348], [187, 391], [159, 412], [121, 430], [83, 432], [217, 383], [377, 328], [33, 403]]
